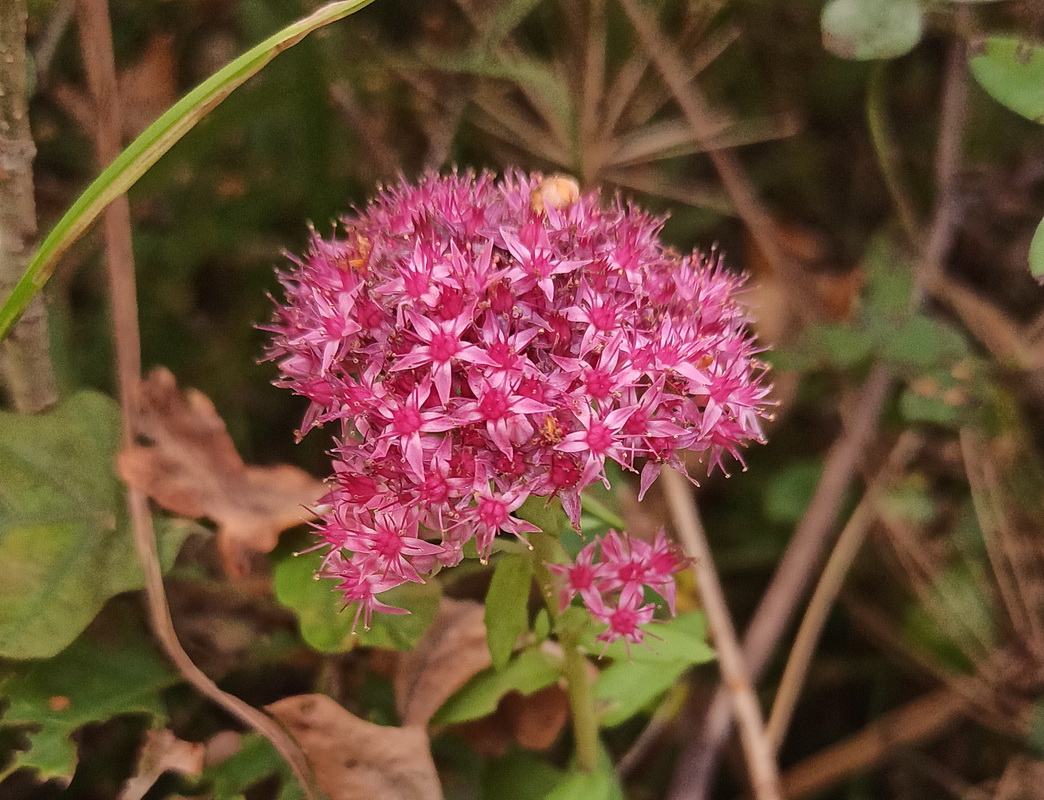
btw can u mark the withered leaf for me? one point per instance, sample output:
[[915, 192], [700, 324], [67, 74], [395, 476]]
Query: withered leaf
[[448, 655], [190, 466], [356, 760], [162, 752], [452, 652]]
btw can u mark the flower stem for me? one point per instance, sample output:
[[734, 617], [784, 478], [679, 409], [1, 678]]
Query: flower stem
[[581, 703], [547, 550]]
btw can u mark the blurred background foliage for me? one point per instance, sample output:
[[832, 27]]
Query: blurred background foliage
[[950, 591]]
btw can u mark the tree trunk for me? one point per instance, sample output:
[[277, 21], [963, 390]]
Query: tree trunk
[[26, 358]]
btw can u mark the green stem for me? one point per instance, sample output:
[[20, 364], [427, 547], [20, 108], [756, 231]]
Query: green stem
[[581, 703], [547, 550], [881, 137]]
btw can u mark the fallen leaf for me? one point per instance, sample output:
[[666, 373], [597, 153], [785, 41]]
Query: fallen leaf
[[356, 760], [532, 721], [191, 467], [162, 752], [452, 652], [448, 655]]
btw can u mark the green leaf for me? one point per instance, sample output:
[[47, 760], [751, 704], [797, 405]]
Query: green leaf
[[507, 16], [326, 627], [1036, 253], [790, 490], [1012, 71], [519, 775], [1035, 737], [507, 606], [628, 687], [253, 762], [532, 671], [147, 149], [869, 29], [683, 638], [643, 672], [65, 544], [86, 683], [599, 784]]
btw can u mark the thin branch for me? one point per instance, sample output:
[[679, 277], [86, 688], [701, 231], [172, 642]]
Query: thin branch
[[698, 763], [761, 759], [346, 102], [881, 138], [25, 355], [664, 54], [96, 45], [952, 120], [592, 91], [894, 731], [834, 573]]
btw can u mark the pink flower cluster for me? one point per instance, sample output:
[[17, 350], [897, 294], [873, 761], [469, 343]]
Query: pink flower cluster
[[610, 575], [480, 342]]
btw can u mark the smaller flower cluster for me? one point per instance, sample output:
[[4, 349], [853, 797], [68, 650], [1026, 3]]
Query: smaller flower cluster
[[611, 574]]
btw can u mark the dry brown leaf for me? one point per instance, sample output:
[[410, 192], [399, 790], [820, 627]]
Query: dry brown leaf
[[452, 652], [191, 467], [533, 721], [161, 752], [356, 760], [448, 655]]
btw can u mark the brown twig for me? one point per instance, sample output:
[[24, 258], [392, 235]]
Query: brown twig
[[96, 46], [698, 114], [894, 731], [25, 355], [699, 760], [845, 550], [760, 755], [947, 166]]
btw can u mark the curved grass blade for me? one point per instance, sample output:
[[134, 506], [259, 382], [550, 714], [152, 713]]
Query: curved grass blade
[[147, 149]]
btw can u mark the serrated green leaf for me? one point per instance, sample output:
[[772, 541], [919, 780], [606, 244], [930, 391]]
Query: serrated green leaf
[[869, 29], [529, 672], [65, 544], [327, 628], [1011, 70], [87, 682], [1036, 253], [507, 606]]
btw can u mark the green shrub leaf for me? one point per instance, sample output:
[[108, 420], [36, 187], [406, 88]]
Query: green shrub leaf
[[507, 606], [532, 671], [869, 29], [1036, 253], [643, 672], [326, 627], [65, 543], [1012, 71]]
